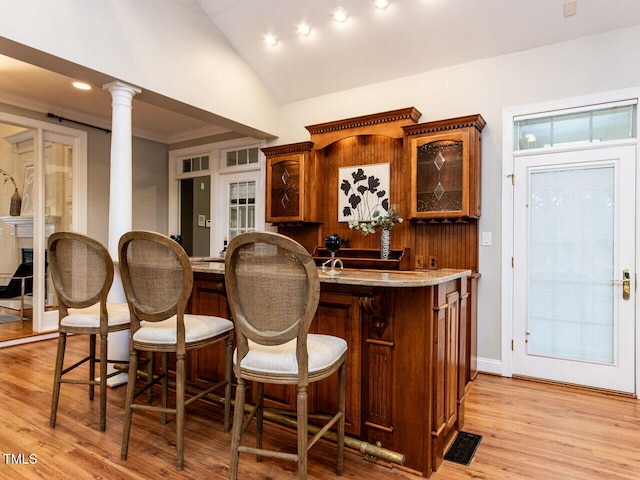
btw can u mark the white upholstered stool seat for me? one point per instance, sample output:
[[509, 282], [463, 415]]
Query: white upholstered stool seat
[[90, 317], [197, 328], [324, 352]]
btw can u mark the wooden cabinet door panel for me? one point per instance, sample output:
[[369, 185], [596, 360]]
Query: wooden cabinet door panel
[[207, 298], [445, 167], [339, 315]]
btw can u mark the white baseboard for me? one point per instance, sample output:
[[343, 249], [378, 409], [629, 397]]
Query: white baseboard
[[36, 338], [489, 365]]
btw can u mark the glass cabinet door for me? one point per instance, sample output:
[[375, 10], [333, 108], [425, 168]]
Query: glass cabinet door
[[445, 168], [284, 188], [439, 177], [291, 176]]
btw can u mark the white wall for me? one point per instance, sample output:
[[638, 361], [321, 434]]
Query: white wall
[[592, 64], [159, 45]]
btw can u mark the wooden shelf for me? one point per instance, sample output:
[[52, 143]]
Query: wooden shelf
[[366, 258]]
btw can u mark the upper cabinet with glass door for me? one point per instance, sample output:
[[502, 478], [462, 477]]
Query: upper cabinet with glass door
[[291, 174], [445, 167]]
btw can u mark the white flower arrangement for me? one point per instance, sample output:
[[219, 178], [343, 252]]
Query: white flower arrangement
[[379, 222]]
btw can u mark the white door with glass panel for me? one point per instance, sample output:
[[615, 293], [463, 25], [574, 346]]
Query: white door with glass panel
[[574, 267], [238, 210]]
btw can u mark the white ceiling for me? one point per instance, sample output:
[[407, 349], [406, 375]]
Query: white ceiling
[[409, 37]]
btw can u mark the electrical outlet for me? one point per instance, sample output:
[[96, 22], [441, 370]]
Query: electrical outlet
[[570, 8], [432, 263], [419, 261]]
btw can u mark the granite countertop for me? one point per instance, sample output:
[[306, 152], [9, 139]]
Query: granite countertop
[[354, 276]]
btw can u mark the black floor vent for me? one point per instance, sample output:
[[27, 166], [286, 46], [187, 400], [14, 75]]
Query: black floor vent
[[463, 448]]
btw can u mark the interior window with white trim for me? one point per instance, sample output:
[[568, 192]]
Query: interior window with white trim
[[591, 124]]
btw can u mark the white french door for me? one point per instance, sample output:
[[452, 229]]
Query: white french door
[[574, 267], [239, 204]]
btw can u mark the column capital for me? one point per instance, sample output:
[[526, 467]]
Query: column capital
[[119, 86]]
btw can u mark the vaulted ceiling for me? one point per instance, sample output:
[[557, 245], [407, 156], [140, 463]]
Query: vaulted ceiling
[[373, 45]]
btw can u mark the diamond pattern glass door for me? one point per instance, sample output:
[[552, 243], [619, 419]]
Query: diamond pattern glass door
[[439, 176]]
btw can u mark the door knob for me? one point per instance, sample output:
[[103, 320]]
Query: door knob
[[626, 284]]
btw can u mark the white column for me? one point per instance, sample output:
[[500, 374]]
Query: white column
[[120, 204], [120, 191]]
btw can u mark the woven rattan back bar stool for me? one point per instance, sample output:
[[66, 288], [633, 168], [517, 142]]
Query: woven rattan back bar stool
[[157, 280], [273, 290], [82, 273]]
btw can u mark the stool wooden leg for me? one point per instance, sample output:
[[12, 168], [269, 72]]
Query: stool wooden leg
[[92, 365], [164, 362], [128, 411], [236, 432], [62, 342], [342, 385], [302, 433], [228, 375], [260, 418], [103, 382]]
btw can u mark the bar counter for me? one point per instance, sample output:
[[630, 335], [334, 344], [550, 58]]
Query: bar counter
[[353, 276], [408, 359]]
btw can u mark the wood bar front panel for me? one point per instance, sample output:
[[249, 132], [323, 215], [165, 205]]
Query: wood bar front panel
[[207, 298], [406, 366]]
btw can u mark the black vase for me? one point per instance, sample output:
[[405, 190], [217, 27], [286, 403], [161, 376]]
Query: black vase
[[332, 243], [15, 205]]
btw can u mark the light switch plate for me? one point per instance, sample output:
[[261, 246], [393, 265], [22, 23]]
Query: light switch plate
[[486, 239]]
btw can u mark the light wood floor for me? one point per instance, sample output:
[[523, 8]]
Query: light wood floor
[[530, 431], [15, 330]]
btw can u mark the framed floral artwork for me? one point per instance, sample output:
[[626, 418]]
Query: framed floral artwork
[[363, 189]]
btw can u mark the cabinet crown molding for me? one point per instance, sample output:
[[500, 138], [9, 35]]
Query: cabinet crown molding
[[475, 121], [290, 148], [410, 113]]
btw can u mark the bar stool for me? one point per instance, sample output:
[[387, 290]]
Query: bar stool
[[273, 290], [82, 273], [157, 280]]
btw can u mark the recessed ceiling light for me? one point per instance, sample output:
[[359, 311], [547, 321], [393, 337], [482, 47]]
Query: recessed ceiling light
[[270, 39], [381, 3], [82, 86], [340, 15], [304, 29]]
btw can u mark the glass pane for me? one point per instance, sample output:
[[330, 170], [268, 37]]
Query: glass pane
[[533, 133], [233, 217], [285, 189], [613, 123], [233, 194], [242, 157], [571, 128], [251, 217], [205, 163], [599, 124], [58, 198], [242, 212], [439, 176], [253, 155], [570, 292], [241, 208], [231, 159]]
